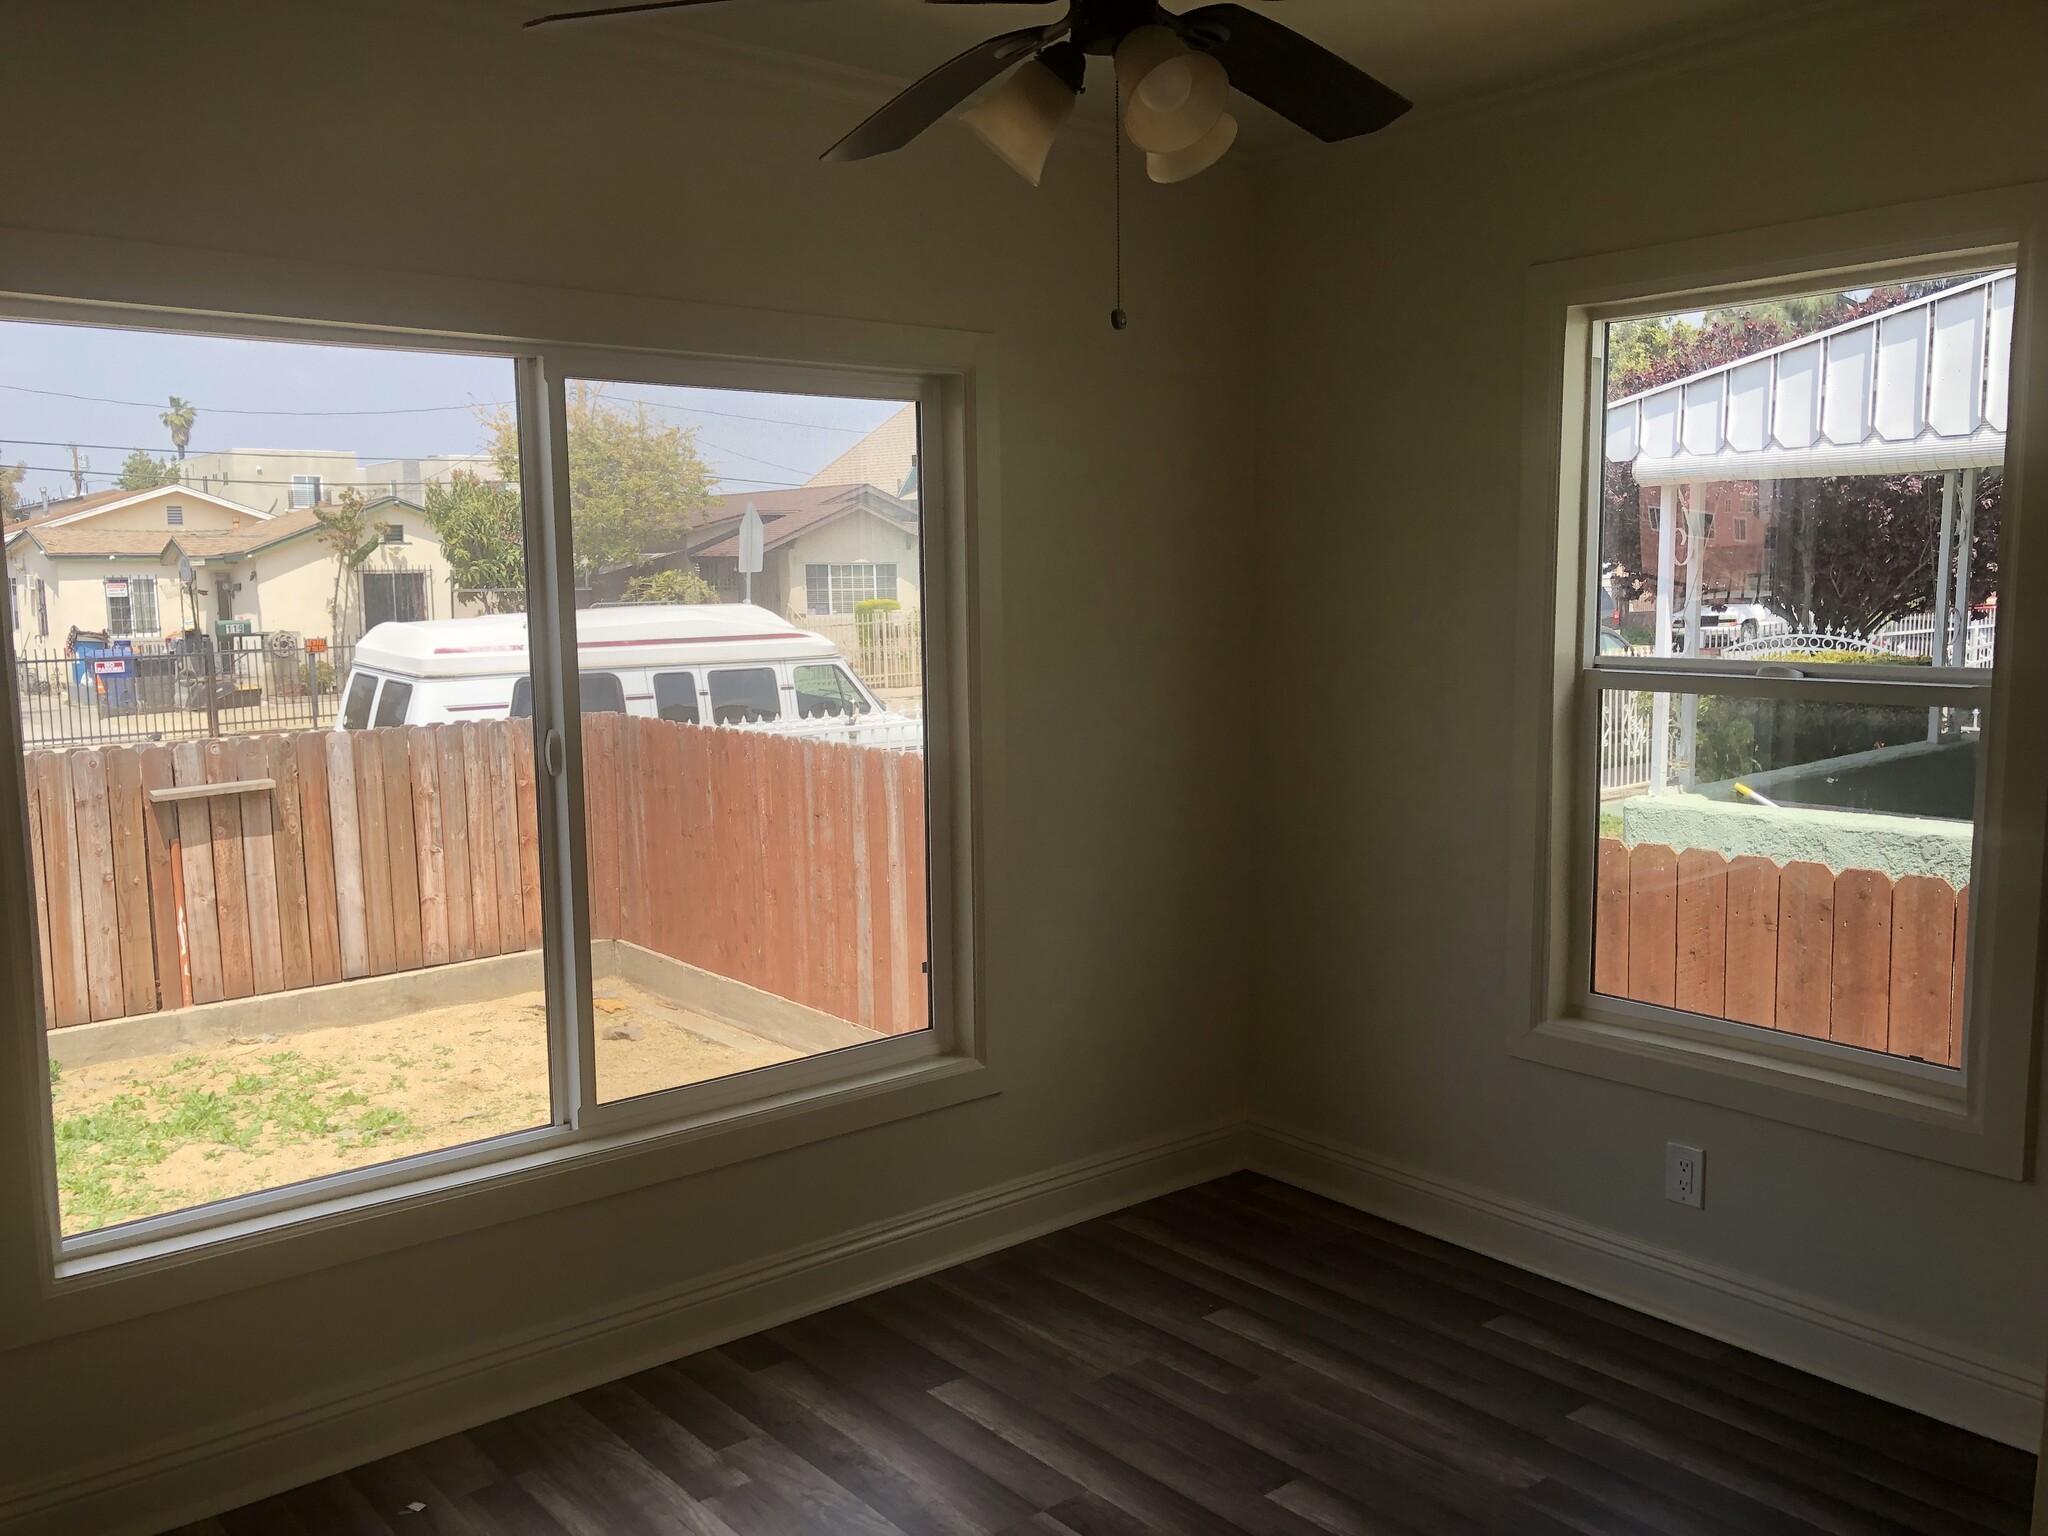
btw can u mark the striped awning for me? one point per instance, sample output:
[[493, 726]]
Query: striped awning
[[1921, 388]]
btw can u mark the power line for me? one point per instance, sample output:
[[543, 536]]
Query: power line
[[360, 454], [228, 410], [278, 485], [422, 410]]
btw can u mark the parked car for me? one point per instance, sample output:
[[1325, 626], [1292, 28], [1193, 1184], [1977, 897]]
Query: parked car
[[1723, 622], [712, 664]]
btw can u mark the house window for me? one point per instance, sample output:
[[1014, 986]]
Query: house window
[[1707, 525], [174, 517], [1769, 836], [495, 826], [305, 490], [394, 533], [131, 605], [393, 597], [830, 589]]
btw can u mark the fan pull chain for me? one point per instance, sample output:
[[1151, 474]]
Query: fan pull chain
[[1117, 318]]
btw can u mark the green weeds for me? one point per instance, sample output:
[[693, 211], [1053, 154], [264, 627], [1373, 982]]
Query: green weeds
[[105, 1153]]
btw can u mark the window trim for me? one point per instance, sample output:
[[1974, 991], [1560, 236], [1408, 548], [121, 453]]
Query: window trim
[[143, 1267], [1977, 1116]]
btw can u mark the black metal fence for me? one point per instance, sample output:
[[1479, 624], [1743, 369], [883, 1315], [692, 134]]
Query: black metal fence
[[97, 692]]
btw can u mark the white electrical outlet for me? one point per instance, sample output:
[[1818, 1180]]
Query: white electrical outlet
[[1685, 1174]]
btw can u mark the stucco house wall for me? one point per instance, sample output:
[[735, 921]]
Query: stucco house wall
[[859, 537]]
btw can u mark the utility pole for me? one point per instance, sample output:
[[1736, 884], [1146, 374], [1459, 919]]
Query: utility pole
[[78, 468]]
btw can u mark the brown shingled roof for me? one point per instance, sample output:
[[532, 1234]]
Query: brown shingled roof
[[85, 541], [786, 514]]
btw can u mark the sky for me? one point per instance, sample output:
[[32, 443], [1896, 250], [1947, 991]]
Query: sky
[[105, 389]]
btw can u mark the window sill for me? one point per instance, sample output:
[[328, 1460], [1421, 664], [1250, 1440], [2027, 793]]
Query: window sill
[[1900, 1105], [554, 1169]]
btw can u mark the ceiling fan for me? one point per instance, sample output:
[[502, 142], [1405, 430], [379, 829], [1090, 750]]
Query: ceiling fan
[[1174, 74]]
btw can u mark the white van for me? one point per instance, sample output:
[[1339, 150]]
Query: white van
[[714, 664]]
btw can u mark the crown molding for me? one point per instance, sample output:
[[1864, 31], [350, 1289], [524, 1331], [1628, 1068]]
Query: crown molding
[[1670, 53]]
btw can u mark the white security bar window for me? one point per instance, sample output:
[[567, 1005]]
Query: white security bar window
[[1795, 604], [131, 605], [386, 898]]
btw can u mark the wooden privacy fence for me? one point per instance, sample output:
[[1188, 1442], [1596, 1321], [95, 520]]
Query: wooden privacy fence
[[795, 866], [1856, 957], [191, 873]]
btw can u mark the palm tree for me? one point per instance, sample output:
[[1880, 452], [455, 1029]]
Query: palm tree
[[179, 419]]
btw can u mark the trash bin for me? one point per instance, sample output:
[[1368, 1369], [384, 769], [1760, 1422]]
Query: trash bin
[[104, 672]]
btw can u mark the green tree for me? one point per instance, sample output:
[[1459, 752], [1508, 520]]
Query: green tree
[[142, 471], [346, 529], [671, 587], [1847, 553], [179, 419], [636, 483], [12, 506], [482, 535]]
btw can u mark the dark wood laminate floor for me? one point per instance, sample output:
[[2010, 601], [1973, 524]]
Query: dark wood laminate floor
[[1237, 1357]]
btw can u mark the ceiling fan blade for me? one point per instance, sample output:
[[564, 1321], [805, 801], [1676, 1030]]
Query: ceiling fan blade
[[611, 10], [1303, 81], [906, 116]]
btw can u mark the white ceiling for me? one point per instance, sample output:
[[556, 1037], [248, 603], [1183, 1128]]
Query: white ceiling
[[1436, 52]]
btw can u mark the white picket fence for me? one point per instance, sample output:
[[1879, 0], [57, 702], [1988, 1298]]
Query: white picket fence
[[1625, 717], [886, 649], [1624, 742]]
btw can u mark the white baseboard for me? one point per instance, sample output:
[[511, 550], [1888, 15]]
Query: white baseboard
[[224, 1466], [1996, 1397]]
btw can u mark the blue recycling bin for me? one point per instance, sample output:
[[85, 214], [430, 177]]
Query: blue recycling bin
[[103, 672]]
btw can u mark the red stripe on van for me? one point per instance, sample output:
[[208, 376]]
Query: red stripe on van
[[604, 645]]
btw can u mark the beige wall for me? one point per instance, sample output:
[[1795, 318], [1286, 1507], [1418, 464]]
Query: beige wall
[[263, 479], [77, 594], [293, 583], [148, 514], [1390, 419], [849, 540], [1115, 965]]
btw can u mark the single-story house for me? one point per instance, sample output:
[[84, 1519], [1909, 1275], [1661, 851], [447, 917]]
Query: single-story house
[[111, 562], [824, 549]]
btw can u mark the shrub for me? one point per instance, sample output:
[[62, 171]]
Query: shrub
[[671, 587]]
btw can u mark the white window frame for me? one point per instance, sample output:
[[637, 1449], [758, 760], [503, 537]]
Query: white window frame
[[591, 1150], [1976, 1115], [308, 486]]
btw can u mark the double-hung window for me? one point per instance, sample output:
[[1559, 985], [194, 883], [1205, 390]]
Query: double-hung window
[[1781, 868], [532, 901]]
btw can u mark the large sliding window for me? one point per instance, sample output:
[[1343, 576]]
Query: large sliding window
[[346, 897]]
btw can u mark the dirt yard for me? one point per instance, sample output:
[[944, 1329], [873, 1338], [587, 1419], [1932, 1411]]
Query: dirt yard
[[159, 1133]]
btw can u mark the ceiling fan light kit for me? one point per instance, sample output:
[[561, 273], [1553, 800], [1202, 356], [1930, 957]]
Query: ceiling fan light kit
[[1020, 120], [1174, 75], [1175, 94], [1197, 157]]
